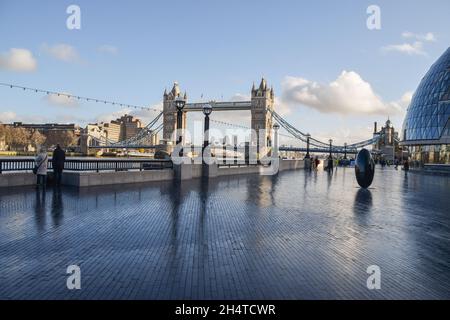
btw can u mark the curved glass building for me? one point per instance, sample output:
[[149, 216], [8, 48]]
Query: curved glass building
[[426, 128]]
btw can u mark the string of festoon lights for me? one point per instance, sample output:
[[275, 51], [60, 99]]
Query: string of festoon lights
[[76, 97]]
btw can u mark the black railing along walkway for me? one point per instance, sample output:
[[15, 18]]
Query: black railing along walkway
[[96, 165], [239, 162]]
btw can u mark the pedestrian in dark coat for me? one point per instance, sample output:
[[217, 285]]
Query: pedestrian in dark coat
[[58, 159]]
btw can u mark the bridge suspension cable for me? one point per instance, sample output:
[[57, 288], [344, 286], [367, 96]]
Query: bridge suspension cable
[[244, 127], [159, 128], [317, 143], [297, 133], [143, 134]]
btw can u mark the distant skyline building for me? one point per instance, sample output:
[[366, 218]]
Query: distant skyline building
[[112, 130], [426, 128], [109, 131], [129, 126], [46, 127], [388, 146], [121, 129]]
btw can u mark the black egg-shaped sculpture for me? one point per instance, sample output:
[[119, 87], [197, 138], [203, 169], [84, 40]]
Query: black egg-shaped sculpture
[[364, 168]]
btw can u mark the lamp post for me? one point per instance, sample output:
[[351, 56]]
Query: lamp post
[[179, 104], [393, 151], [307, 146], [345, 151], [276, 126], [207, 109], [331, 141]]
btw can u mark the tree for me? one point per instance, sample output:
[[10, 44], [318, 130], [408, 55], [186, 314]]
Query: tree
[[3, 130], [18, 138], [37, 139], [69, 139], [61, 137], [8, 135]]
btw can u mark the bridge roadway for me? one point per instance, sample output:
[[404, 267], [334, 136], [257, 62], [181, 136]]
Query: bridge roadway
[[282, 148], [316, 150], [298, 235], [220, 106]]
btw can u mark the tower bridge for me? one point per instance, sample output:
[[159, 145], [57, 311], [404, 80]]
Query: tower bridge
[[260, 106], [263, 117]]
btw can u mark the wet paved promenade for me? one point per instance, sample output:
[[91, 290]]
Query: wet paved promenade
[[291, 236]]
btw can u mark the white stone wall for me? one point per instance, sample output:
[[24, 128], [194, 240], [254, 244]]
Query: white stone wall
[[190, 171], [17, 179]]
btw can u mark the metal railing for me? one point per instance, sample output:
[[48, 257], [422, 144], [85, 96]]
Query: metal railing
[[96, 165], [238, 165], [238, 162], [16, 165]]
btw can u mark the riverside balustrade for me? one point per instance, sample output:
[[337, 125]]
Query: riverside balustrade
[[96, 165]]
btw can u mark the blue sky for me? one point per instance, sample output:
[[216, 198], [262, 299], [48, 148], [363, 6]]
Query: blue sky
[[131, 50]]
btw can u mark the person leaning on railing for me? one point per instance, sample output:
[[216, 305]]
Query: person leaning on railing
[[40, 169], [58, 159]]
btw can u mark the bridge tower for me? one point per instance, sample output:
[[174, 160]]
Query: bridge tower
[[170, 113], [262, 100]]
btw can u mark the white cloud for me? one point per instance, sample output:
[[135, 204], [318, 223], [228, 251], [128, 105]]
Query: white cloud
[[16, 59], [107, 117], [7, 116], [240, 97], [281, 107], [348, 94], [61, 100], [11, 116], [403, 102], [32, 117], [415, 48], [411, 48], [429, 36], [109, 49], [62, 51]]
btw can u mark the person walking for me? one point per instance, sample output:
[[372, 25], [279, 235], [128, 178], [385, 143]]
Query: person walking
[[40, 169], [406, 165], [58, 159], [317, 163], [330, 164]]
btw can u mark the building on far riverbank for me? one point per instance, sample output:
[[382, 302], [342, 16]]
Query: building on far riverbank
[[388, 147], [27, 137]]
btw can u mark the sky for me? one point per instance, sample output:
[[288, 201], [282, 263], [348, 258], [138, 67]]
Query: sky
[[331, 74]]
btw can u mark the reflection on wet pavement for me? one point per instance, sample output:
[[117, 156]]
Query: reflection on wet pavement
[[296, 235]]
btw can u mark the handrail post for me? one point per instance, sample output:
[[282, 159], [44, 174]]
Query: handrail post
[[224, 151], [97, 166]]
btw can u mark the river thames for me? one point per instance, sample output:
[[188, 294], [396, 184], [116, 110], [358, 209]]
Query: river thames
[[297, 235]]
